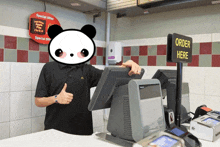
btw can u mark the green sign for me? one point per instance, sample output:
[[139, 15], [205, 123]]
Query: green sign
[[179, 48]]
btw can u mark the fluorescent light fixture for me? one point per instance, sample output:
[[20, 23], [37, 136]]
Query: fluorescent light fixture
[[215, 2], [75, 4]]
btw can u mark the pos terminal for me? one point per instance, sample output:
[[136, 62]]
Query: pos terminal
[[206, 127], [136, 114]]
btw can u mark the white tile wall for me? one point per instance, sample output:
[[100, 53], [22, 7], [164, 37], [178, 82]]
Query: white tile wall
[[19, 115], [20, 76], [20, 127], [5, 76], [212, 102], [215, 37], [36, 111], [201, 38], [99, 129], [92, 90], [4, 130], [37, 124], [195, 76], [4, 107], [98, 118], [212, 81], [35, 73], [105, 126], [195, 101], [20, 105]]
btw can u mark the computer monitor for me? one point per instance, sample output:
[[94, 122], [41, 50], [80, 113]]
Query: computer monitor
[[111, 79], [164, 76], [136, 105]]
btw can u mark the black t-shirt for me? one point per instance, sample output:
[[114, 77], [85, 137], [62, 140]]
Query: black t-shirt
[[71, 118]]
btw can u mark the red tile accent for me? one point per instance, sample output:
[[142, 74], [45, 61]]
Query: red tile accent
[[10, 42], [135, 59], [171, 64], [93, 60], [195, 61], [1, 54], [99, 51], [22, 56], [215, 60], [33, 45], [103, 60], [127, 51], [161, 50], [206, 48], [152, 61], [44, 57], [143, 50]]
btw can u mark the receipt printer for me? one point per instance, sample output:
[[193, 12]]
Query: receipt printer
[[206, 127]]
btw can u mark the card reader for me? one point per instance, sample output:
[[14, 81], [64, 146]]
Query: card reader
[[201, 110], [169, 117], [206, 127], [162, 139], [190, 140]]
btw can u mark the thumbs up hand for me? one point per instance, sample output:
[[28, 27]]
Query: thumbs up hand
[[64, 97]]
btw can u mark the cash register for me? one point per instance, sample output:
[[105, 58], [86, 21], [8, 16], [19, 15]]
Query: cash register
[[136, 114], [206, 124]]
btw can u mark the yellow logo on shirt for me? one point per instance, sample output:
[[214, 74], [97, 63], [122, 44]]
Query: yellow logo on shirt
[[82, 78]]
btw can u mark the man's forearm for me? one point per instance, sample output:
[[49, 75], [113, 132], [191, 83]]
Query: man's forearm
[[44, 101]]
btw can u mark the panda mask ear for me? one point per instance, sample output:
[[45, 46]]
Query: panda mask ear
[[54, 30], [89, 30]]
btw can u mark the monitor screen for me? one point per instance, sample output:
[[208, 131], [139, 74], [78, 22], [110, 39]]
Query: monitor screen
[[165, 141], [177, 131], [111, 79], [164, 75], [211, 121]]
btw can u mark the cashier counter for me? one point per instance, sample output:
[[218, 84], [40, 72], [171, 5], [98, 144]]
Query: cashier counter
[[54, 138], [132, 101]]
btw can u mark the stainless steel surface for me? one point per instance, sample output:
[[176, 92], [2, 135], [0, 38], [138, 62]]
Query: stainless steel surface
[[126, 7], [129, 7], [85, 6]]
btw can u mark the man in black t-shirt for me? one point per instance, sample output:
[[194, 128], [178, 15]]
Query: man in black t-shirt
[[65, 92]]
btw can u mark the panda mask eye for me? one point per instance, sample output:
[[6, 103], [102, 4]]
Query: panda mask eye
[[59, 52], [84, 52]]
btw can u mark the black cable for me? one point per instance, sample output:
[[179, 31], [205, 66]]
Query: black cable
[[44, 6], [191, 113]]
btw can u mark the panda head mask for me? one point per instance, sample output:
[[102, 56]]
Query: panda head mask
[[71, 46]]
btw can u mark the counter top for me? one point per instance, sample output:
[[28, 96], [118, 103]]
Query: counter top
[[54, 138]]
